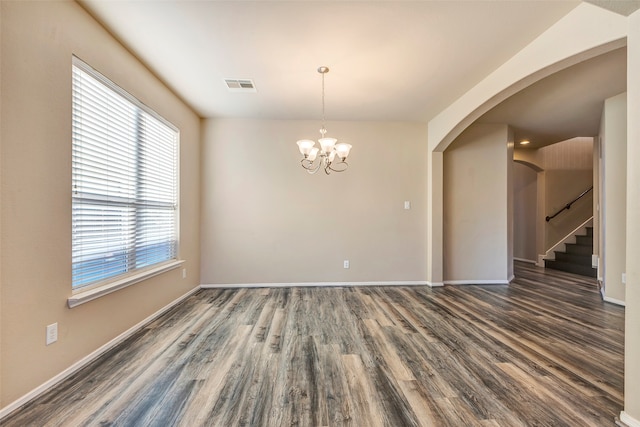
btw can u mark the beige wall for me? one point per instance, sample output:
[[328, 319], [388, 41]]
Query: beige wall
[[597, 195], [476, 212], [525, 192], [510, 203], [561, 187], [585, 32], [568, 171], [266, 220], [632, 334], [531, 157], [572, 154], [564, 171], [1, 197], [434, 230], [614, 203], [38, 40]]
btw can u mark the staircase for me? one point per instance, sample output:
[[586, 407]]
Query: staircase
[[576, 258]]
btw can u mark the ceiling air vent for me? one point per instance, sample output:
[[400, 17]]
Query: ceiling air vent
[[240, 85]]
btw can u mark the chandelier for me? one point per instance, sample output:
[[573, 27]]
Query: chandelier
[[325, 156]]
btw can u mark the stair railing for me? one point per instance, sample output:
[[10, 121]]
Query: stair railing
[[568, 205]]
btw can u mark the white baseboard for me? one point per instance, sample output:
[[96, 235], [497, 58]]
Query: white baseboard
[[88, 358], [313, 284], [629, 420], [530, 261], [477, 282], [614, 301], [435, 284]]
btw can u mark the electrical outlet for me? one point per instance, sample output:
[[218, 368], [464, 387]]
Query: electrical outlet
[[624, 278], [184, 273], [52, 333], [407, 205], [346, 263]]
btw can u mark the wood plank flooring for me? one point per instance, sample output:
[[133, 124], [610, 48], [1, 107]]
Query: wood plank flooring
[[544, 351]]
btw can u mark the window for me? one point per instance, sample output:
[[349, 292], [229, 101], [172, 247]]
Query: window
[[124, 177]]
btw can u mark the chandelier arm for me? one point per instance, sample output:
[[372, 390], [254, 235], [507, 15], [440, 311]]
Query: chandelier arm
[[342, 169], [308, 165]]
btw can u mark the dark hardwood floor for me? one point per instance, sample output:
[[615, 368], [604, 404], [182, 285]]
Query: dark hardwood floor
[[544, 351]]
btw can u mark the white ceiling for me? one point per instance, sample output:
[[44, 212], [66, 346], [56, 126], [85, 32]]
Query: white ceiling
[[566, 104], [389, 60]]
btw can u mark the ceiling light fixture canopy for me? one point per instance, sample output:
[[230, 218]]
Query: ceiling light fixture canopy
[[328, 150]]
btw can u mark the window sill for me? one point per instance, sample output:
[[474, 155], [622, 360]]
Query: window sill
[[99, 291]]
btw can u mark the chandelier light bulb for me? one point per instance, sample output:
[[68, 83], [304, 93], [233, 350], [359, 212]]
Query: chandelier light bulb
[[327, 144], [313, 154], [305, 146], [343, 150]]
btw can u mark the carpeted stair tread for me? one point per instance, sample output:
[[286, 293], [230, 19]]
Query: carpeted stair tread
[[575, 248], [569, 267], [574, 258], [577, 256]]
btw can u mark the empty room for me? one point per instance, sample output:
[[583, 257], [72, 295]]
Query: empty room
[[319, 213]]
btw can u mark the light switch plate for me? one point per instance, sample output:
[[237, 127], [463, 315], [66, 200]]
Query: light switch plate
[[52, 333]]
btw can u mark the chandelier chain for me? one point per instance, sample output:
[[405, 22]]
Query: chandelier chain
[[323, 131]]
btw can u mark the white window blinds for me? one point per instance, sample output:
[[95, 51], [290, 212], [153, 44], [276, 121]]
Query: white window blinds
[[124, 180]]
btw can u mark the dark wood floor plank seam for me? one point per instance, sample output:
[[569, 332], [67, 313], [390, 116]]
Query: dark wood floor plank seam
[[542, 351]]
